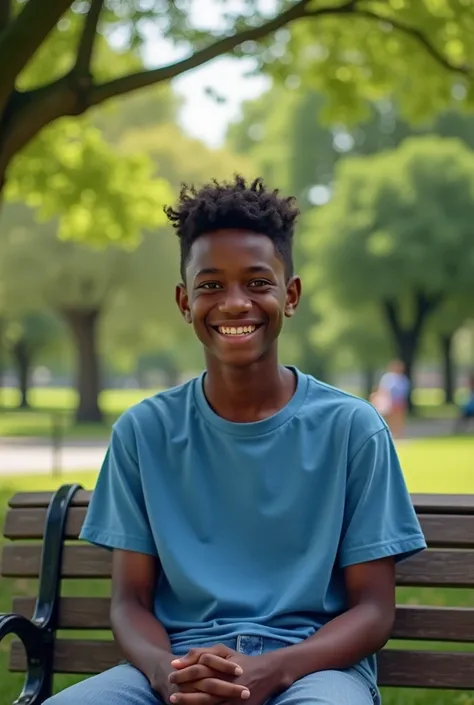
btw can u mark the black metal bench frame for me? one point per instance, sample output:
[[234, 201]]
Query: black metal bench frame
[[38, 634]]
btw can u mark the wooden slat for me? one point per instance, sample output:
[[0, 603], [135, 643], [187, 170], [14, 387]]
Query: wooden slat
[[443, 503], [29, 523], [86, 656], [424, 669], [80, 561], [448, 531], [435, 568], [412, 622], [438, 568], [424, 503], [74, 612], [396, 668], [434, 623], [42, 499]]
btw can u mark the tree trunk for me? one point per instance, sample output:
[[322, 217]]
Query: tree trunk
[[83, 326], [23, 360], [407, 339], [446, 344], [369, 381]]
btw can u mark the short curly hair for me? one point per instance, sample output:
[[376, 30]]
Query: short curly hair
[[238, 204]]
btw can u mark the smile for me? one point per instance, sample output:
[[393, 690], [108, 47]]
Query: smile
[[236, 330]]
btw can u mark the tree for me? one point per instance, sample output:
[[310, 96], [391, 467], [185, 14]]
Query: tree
[[397, 234], [441, 336], [26, 337], [351, 338], [104, 197], [56, 56]]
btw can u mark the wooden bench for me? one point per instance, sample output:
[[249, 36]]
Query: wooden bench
[[447, 520]]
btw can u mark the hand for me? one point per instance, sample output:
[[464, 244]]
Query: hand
[[259, 678], [195, 683]]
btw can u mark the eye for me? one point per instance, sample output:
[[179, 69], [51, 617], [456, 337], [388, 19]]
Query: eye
[[259, 283], [210, 286]]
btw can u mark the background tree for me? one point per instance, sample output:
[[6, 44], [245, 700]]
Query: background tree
[[441, 336], [397, 234], [56, 56], [103, 196], [352, 339], [26, 337]]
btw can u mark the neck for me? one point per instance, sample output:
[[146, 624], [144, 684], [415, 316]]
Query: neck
[[248, 394]]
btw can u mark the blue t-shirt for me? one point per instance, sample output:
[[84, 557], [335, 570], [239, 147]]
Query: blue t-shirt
[[253, 523]]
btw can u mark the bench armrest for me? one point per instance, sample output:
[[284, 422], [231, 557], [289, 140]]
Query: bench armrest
[[34, 640], [23, 628]]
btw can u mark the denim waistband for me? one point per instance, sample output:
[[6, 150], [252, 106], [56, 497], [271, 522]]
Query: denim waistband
[[244, 644]]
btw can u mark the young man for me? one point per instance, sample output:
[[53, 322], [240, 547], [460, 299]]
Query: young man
[[255, 514]]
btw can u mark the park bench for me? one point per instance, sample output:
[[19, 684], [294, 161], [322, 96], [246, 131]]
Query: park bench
[[56, 556]]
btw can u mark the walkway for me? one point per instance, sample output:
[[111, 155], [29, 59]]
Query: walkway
[[36, 456]]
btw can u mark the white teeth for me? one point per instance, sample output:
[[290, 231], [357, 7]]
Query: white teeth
[[241, 330]]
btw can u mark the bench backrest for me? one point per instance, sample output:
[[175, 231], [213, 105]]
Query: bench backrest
[[448, 523]]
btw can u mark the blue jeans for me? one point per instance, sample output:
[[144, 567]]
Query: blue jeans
[[124, 685]]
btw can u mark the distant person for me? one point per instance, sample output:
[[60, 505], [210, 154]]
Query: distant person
[[391, 397], [467, 410]]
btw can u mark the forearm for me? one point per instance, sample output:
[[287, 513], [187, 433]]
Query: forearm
[[341, 643], [143, 641]]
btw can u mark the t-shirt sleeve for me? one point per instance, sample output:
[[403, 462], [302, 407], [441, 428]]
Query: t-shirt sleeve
[[379, 517], [117, 515]]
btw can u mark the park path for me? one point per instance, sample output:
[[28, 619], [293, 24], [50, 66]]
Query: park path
[[21, 456], [36, 456]]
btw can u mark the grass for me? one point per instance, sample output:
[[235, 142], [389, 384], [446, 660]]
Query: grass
[[54, 406], [443, 465], [439, 465]]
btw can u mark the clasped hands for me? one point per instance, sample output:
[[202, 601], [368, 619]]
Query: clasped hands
[[217, 674]]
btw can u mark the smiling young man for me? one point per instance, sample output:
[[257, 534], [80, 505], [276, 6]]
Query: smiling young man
[[255, 514]]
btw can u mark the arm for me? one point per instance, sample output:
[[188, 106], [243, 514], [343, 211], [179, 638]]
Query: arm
[[142, 639], [346, 640]]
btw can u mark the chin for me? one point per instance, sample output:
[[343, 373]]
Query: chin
[[241, 359]]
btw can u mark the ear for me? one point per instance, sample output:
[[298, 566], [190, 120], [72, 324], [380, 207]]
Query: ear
[[293, 296], [182, 301]]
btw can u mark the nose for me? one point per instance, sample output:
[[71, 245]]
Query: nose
[[234, 302]]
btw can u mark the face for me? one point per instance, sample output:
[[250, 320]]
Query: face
[[236, 295]]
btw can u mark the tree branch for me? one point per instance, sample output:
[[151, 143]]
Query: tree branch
[[420, 37], [141, 79], [86, 42], [22, 37], [36, 110]]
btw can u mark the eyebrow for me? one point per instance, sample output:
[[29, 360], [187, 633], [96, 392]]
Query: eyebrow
[[250, 270]]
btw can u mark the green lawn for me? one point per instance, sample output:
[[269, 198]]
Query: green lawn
[[440, 465], [56, 406], [444, 465]]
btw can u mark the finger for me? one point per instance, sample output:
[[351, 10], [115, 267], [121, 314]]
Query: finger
[[223, 689], [223, 665], [191, 673], [194, 699], [189, 659], [194, 655]]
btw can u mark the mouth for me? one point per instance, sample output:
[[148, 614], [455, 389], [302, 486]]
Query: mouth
[[237, 333]]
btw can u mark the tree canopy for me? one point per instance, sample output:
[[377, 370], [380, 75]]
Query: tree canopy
[[56, 56], [398, 233]]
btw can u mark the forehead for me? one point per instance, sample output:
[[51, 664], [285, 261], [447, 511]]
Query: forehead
[[231, 250]]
